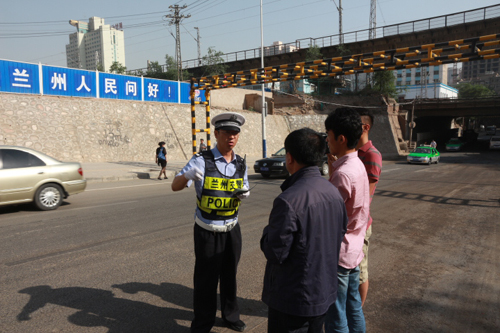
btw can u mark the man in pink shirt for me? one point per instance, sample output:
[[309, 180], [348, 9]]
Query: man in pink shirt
[[348, 174]]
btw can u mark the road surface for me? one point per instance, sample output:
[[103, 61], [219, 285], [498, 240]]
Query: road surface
[[119, 257]]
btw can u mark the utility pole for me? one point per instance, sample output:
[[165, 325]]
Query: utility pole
[[373, 20], [198, 42], [264, 109], [339, 8], [176, 19], [372, 34]]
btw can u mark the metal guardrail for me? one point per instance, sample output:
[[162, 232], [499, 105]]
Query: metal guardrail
[[473, 15]]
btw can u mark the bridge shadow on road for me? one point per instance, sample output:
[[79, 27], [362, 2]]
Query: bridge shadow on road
[[490, 203], [101, 308]]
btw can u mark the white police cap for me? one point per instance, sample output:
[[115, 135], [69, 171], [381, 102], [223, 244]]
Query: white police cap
[[230, 121]]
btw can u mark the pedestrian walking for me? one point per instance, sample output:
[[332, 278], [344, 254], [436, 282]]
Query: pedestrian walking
[[161, 159], [203, 146]]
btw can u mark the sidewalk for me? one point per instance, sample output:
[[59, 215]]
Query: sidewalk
[[123, 170]]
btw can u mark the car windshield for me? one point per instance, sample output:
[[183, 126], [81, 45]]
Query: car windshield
[[495, 138], [454, 141], [280, 152], [423, 150]]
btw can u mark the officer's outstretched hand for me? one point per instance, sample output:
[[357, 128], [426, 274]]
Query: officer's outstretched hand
[[244, 195], [194, 174]]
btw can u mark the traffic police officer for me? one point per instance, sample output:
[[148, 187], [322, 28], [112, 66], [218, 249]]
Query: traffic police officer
[[221, 182]]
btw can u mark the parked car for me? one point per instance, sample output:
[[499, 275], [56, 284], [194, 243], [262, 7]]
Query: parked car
[[491, 130], [424, 155], [27, 175], [454, 144], [495, 142], [276, 165]]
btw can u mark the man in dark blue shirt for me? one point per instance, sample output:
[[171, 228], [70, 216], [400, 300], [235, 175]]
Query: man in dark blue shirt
[[302, 240]]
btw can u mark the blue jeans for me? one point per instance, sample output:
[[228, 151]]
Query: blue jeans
[[346, 314]]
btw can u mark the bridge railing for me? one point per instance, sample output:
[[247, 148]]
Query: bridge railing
[[473, 15]]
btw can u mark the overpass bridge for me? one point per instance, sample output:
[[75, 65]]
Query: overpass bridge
[[455, 26], [465, 107], [433, 117]]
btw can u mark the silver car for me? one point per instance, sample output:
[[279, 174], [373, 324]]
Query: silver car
[[27, 175]]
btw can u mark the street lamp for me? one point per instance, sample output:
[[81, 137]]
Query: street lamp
[[264, 149]]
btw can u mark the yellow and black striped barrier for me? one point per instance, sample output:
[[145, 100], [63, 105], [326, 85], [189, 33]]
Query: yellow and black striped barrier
[[463, 50], [194, 130]]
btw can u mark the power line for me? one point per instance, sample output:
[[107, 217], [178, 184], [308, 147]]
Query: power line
[[176, 19], [66, 21]]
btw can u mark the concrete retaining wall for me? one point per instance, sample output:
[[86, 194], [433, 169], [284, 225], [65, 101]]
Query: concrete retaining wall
[[101, 130]]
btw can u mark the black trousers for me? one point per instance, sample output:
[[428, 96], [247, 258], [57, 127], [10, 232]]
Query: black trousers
[[279, 322], [217, 256]]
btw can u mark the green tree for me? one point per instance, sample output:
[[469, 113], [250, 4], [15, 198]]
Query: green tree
[[99, 67], [171, 72], [383, 83], [469, 90], [154, 70], [313, 53], [117, 68], [324, 85], [213, 63], [342, 50]]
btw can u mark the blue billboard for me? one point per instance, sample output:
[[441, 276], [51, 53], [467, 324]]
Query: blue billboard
[[161, 91], [19, 77], [69, 82], [186, 98], [120, 86]]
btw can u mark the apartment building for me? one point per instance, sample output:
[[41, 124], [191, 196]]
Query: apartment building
[[93, 44]]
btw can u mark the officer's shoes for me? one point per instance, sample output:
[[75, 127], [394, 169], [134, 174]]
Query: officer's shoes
[[236, 326]]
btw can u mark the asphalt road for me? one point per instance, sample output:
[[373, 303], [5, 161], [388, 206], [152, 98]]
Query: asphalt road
[[119, 257]]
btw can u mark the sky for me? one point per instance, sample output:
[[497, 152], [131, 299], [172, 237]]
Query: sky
[[38, 31]]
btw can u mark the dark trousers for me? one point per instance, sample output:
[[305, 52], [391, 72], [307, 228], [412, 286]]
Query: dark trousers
[[217, 256], [279, 322]]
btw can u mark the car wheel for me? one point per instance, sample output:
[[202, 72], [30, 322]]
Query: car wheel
[[265, 175], [437, 160], [430, 161], [324, 169], [48, 197]]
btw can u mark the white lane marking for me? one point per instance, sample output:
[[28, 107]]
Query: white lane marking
[[119, 187], [387, 170], [424, 170]]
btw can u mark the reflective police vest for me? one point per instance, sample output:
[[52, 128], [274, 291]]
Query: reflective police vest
[[217, 201]]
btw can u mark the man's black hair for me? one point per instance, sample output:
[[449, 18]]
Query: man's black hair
[[306, 146], [363, 112], [346, 122]]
